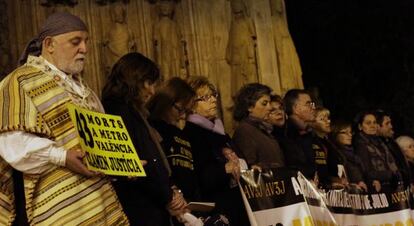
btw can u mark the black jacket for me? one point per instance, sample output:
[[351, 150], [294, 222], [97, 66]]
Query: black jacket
[[178, 150], [144, 199], [327, 159], [214, 182], [403, 167], [298, 150], [379, 162]]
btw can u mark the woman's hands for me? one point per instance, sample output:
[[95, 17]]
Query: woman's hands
[[178, 204], [233, 168]]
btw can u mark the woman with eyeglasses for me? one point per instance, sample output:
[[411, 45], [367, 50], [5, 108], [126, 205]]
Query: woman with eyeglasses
[[253, 137], [381, 169], [328, 161], [209, 143], [341, 136], [150, 200], [167, 107]]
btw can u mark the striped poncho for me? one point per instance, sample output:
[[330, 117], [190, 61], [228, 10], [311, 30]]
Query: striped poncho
[[33, 99]]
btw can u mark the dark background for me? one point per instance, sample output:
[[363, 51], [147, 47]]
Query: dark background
[[358, 55]]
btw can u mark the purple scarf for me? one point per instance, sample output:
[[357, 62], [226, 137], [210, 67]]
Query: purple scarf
[[216, 126], [56, 24]]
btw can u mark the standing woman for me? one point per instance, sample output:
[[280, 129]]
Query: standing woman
[[381, 168], [167, 108], [328, 160], [341, 136], [208, 141], [146, 200], [253, 137]]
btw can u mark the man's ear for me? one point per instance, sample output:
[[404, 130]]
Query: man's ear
[[48, 44], [250, 109], [294, 109]]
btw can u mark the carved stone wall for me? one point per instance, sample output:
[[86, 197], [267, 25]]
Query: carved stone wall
[[204, 26]]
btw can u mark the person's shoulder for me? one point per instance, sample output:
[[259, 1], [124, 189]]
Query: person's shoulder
[[195, 132], [113, 101], [164, 128], [190, 127], [115, 106], [244, 126], [23, 72], [25, 77], [358, 138]]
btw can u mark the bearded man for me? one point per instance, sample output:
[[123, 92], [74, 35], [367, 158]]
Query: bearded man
[[39, 142]]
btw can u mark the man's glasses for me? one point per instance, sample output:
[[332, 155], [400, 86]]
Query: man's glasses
[[207, 97], [347, 132], [309, 104]]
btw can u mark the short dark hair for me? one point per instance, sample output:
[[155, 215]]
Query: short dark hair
[[247, 97], [175, 90], [290, 99], [276, 98], [380, 115], [359, 118], [198, 82], [337, 126], [128, 76]]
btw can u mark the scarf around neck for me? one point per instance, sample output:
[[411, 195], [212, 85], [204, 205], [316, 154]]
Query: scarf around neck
[[215, 126], [259, 123]]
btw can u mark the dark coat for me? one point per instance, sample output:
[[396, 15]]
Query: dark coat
[[257, 145], [299, 154], [403, 167], [144, 199], [178, 151], [354, 167], [327, 159], [214, 182], [411, 168], [378, 160]]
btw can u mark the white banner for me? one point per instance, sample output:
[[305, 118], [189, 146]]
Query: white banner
[[277, 197]]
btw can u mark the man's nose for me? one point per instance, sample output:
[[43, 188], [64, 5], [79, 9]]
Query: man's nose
[[83, 47], [151, 90], [269, 107]]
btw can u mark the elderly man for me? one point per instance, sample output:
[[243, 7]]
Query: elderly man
[[301, 112], [38, 138]]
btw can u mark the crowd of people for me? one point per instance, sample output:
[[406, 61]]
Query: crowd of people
[[176, 128]]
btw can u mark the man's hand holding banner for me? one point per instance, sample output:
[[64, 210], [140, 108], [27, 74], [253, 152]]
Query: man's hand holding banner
[[106, 141]]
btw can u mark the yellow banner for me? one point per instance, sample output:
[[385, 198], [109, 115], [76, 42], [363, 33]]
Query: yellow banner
[[105, 139]]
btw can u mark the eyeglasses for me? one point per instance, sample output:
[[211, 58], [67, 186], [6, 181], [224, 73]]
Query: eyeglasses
[[309, 104], [207, 97], [347, 132], [323, 118]]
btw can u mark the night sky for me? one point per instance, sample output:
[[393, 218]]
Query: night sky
[[359, 55]]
